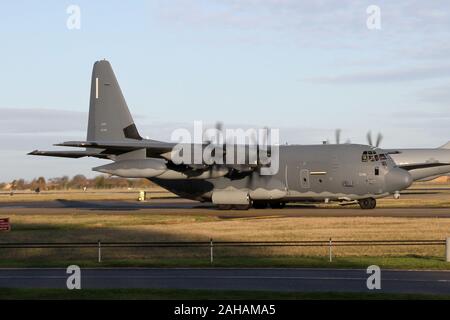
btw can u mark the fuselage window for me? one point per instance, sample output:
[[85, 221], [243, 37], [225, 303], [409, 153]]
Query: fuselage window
[[377, 171], [382, 156]]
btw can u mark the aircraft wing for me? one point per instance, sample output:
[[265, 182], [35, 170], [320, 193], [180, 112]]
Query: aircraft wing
[[154, 149], [69, 154], [414, 166], [445, 146]]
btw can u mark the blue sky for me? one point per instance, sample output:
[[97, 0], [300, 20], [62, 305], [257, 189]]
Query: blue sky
[[305, 67]]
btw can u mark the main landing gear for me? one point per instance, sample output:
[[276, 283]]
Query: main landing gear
[[369, 203], [265, 204]]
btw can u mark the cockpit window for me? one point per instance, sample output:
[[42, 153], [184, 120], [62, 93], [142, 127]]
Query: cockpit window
[[364, 156], [372, 156]]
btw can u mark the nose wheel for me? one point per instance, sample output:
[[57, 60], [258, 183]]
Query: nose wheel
[[369, 203]]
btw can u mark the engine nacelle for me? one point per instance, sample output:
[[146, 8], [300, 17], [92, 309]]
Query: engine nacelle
[[150, 168]]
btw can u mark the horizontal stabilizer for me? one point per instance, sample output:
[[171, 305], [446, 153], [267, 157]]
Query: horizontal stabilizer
[[153, 148]]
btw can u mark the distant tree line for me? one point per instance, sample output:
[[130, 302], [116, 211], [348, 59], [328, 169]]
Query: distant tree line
[[78, 181]]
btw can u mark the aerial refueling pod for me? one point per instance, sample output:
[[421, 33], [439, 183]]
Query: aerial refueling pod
[[149, 168]]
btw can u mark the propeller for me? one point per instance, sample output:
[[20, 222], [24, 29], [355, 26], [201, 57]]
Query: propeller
[[219, 128], [337, 134], [377, 141], [265, 137], [209, 141]]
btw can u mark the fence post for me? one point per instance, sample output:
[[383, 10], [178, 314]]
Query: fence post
[[330, 252], [447, 250], [99, 251], [211, 246]]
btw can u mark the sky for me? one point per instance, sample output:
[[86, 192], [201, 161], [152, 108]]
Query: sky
[[303, 67]]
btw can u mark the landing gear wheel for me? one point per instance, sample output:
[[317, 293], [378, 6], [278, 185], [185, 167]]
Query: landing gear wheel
[[277, 205], [259, 204], [369, 203]]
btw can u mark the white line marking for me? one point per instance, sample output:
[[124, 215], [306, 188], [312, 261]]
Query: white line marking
[[96, 88]]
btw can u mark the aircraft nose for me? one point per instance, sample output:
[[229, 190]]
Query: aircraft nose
[[398, 179]]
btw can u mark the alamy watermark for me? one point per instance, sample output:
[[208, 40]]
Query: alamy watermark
[[73, 21], [374, 280], [74, 279], [373, 21], [251, 147]]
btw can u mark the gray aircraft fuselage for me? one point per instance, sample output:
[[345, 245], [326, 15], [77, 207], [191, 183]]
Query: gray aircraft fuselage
[[306, 173]]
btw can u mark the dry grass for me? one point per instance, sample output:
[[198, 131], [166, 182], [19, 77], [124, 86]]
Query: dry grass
[[172, 224], [77, 225]]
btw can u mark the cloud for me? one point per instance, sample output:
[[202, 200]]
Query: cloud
[[436, 95], [422, 115], [276, 15], [387, 75], [333, 16], [41, 120]]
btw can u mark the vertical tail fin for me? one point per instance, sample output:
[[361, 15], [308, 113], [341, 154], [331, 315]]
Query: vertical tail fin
[[109, 117]]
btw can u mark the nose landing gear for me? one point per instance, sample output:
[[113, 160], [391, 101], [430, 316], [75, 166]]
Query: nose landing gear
[[369, 203]]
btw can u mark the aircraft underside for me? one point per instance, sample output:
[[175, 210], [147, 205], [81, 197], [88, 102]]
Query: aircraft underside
[[240, 199]]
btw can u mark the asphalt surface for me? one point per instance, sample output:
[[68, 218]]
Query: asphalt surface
[[177, 206], [270, 279]]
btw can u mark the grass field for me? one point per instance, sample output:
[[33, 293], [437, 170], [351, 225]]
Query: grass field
[[195, 224], [392, 262], [75, 225], [172, 294]]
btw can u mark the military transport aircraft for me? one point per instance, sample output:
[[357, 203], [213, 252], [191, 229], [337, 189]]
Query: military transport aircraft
[[346, 173]]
